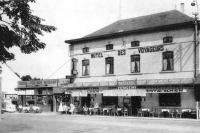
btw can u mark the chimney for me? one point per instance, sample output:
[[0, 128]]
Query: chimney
[[182, 6]]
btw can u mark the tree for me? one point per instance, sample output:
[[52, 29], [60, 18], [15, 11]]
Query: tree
[[26, 78], [20, 28]]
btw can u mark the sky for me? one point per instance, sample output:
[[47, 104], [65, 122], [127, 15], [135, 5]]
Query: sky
[[75, 19]]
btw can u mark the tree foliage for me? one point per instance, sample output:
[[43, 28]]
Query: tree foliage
[[20, 28], [26, 78]]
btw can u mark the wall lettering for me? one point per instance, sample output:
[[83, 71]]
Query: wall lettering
[[151, 49], [97, 55]]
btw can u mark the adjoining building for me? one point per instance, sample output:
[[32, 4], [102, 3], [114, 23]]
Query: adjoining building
[[43, 93], [144, 62]]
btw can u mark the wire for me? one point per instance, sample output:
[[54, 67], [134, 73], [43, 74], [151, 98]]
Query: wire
[[57, 69], [13, 71]]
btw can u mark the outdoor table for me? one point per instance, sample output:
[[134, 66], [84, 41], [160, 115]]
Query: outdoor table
[[145, 111], [96, 110], [107, 110], [91, 110], [119, 110]]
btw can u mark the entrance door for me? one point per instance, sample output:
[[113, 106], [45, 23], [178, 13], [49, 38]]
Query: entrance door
[[135, 104], [86, 100]]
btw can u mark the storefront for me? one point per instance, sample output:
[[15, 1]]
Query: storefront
[[135, 95], [41, 93]]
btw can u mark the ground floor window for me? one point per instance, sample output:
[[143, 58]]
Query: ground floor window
[[170, 99], [110, 101]]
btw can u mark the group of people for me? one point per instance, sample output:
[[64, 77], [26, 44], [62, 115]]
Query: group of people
[[63, 108], [71, 108]]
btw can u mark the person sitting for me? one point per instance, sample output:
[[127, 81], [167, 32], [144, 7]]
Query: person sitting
[[91, 109], [72, 108], [64, 108], [96, 108], [20, 108], [67, 109], [85, 109]]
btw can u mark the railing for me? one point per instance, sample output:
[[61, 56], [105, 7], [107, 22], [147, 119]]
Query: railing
[[173, 112]]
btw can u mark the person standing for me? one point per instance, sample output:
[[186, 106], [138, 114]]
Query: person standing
[[60, 109]]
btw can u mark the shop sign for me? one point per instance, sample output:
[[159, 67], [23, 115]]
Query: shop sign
[[42, 83], [22, 84], [127, 82], [124, 92], [126, 87], [93, 91], [63, 82], [165, 90], [151, 49], [97, 55], [25, 92]]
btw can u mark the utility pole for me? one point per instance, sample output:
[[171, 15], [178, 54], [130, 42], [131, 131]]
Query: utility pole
[[0, 92], [196, 42]]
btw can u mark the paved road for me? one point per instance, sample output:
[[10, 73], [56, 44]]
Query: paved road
[[55, 123]]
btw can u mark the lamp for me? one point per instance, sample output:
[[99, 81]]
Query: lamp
[[193, 3]]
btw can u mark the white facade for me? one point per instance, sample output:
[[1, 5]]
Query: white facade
[[150, 63]]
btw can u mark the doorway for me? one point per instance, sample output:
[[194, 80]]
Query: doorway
[[135, 104], [86, 100]]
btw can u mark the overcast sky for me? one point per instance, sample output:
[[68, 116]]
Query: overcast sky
[[75, 19]]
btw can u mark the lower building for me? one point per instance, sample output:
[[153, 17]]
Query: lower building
[[42, 93]]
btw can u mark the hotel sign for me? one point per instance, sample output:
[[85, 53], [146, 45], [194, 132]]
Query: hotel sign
[[97, 55], [151, 49]]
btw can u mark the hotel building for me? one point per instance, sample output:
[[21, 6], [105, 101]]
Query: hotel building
[[144, 62]]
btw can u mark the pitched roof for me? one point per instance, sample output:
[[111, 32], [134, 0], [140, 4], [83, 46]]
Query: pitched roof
[[172, 17]]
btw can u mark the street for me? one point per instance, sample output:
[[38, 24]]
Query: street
[[57, 123]]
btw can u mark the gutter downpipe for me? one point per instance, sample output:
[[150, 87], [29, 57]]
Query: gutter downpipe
[[195, 58]]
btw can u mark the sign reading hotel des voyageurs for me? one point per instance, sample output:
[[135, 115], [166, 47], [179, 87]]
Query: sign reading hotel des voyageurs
[[147, 49]]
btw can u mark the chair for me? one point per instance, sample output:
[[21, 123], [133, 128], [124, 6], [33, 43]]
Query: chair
[[177, 113], [125, 112], [152, 112], [139, 112], [165, 112]]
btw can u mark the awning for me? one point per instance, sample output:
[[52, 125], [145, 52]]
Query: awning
[[79, 93]]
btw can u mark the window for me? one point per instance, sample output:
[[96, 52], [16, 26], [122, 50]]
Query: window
[[135, 63], [110, 65], [170, 99], [168, 61], [109, 47], [85, 67], [135, 43], [85, 50], [168, 39], [110, 100]]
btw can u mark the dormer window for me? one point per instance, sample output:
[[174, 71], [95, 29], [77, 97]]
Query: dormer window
[[85, 49], [168, 39], [109, 47], [135, 43]]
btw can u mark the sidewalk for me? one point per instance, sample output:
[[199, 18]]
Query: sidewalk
[[104, 116]]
